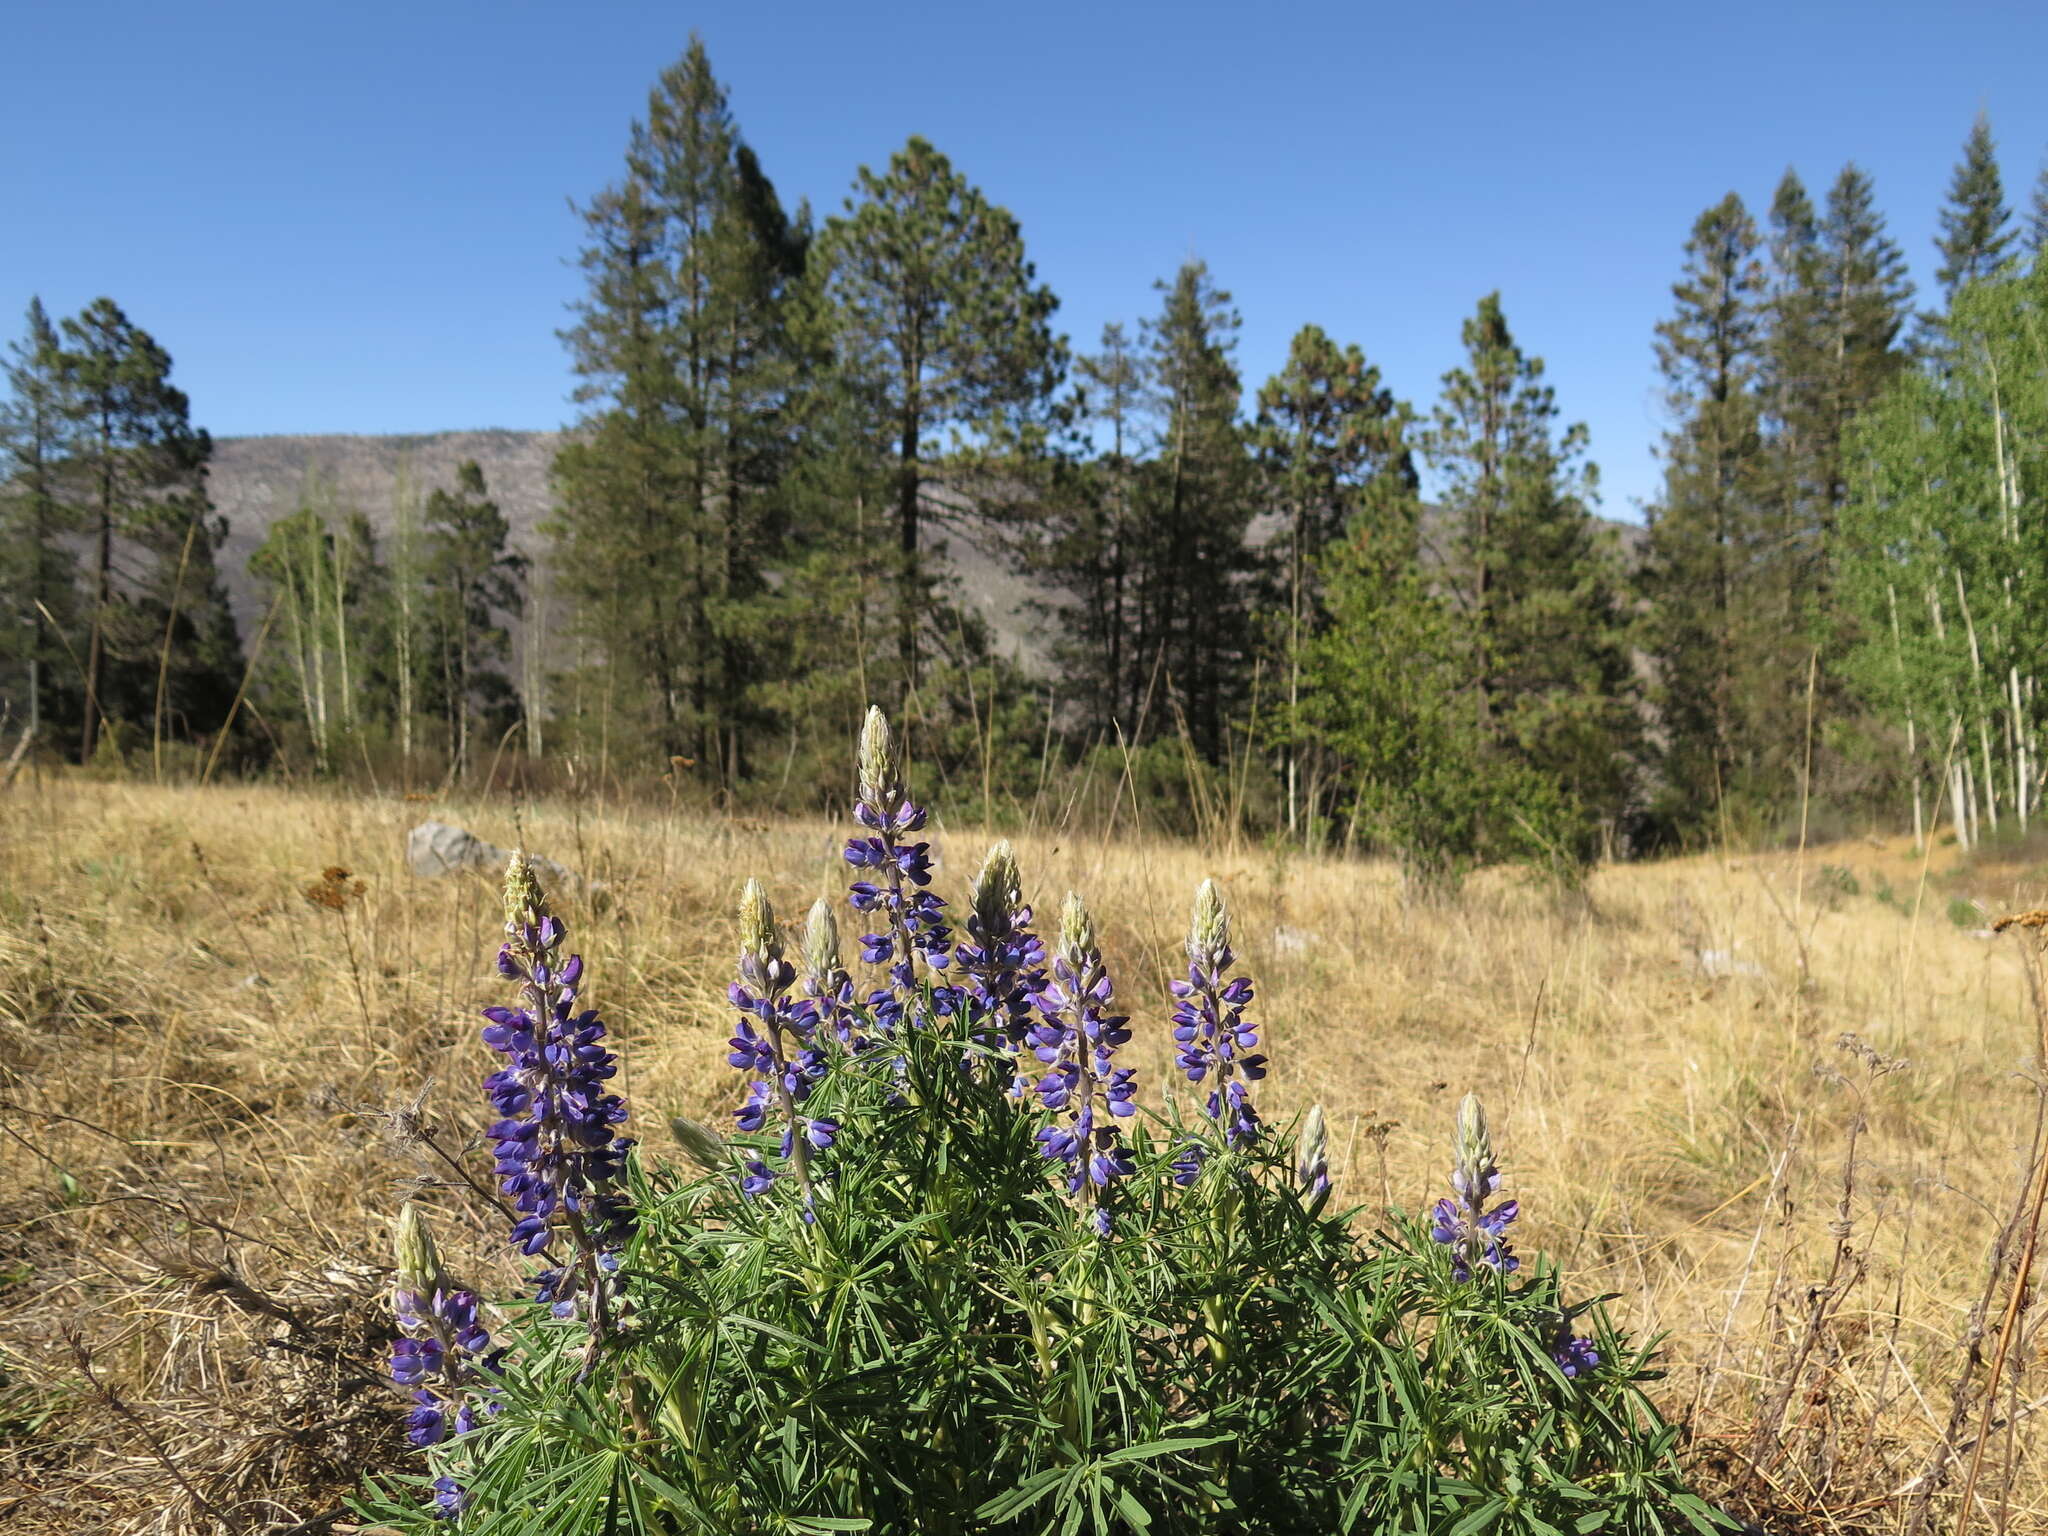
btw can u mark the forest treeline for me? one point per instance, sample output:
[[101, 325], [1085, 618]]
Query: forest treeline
[[1834, 610]]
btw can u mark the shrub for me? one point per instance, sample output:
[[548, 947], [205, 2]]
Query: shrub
[[948, 1275]]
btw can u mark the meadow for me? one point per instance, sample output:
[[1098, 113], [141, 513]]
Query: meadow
[[1785, 1107]]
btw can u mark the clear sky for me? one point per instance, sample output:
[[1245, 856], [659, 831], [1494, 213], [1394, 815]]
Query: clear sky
[[356, 218]]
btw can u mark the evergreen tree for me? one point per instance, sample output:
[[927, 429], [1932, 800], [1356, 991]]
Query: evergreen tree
[[666, 491], [1975, 226], [1708, 628], [38, 571], [1090, 525], [1546, 671], [471, 580], [1838, 300], [1193, 630], [2035, 238], [936, 318], [1331, 441], [141, 467]]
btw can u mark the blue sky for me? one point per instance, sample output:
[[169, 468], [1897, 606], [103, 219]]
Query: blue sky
[[357, 217]]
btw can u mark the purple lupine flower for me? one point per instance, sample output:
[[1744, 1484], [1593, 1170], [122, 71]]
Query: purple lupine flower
[[1475, 1234], [1187, 1167], [445, 1351], [778, 1052], [1004, 961], [558, 1156], [1574, 1356], [914, 921], [450, 1498], [1216, 1045], [1075, 1039]]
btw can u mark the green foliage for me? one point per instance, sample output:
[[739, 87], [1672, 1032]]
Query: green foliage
[[947, 1347], [668, 494], [471, 580], [1945, 580], [1333, 450], [1975, 233], [161, 646], [1541, 662], [39, 597], [935, 320]]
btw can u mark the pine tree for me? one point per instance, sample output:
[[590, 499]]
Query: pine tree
[[1838, 300], [1332, 441], [938, 319], [38, 571], [141, 468], [1090, 529], [2035, 238], [472, 579], [1546, 671], [666, 491], [1193, 630], [1705, 540], [1975, 226]]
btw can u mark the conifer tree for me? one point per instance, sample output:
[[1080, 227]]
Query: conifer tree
[[1332, 441], [666, 510], [1091, 531], [2035, 237], [38, 571], [141, 468], [472, 579], [937, 318], [1546, 671], [1193, 617], [1976, 229], [1706, 541]]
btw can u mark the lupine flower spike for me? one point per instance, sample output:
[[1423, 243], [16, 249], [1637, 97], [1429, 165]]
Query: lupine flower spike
[[1076, 1039], [778, 1053], [445, 1349], [1004, 960], [1475, 1234], [1217, 1047], [825, 980], [558, 1155], [913, 915]]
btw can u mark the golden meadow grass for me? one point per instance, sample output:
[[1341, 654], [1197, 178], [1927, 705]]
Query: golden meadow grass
[[227, 1015]]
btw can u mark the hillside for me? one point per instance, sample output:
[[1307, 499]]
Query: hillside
[[255, 480]]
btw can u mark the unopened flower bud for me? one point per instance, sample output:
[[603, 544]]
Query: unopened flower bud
[[1077, 933], [1209, 932], [821, 944], [881, 782], [419, 1262], [757, 925], [1474, 1147], [706, 1148], [524, 902], [1312, 1152], [998, 890]]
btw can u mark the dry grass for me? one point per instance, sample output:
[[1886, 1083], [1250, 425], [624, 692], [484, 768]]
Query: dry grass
[[234, 1031]]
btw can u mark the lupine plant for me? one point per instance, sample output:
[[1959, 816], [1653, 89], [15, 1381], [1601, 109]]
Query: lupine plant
[[947, 1271]]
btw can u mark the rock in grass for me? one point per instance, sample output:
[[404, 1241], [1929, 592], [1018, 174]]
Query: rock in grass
[[434, 848]]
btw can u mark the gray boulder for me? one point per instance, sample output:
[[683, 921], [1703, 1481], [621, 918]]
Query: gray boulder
[[433, 848]]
